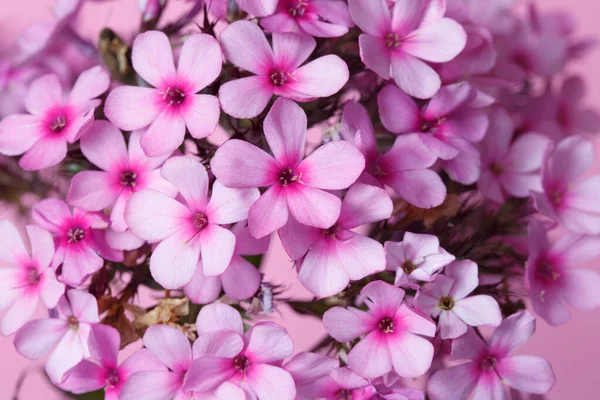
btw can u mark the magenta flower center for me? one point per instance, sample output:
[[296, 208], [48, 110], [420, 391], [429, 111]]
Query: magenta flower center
[[546, 272], [75, 235], [299, 10], [200, 221], [129, 179], [112, 378], [33, 276], [430, 126], [58, 124], [344, 394], [496, 169], [393, 40], [386, 325], [556, 197], [279, 78], [488, 363], [332, 232], [446, 303], [408, 267], [241, 363], [72, 322], [173, 96], [289, 176]]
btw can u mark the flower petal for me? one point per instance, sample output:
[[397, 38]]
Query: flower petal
[[246, 97], [202, 116], [411, 354], [285, 131], [132, 107], [322, 272], [313, 207], [322, 77], [218, 317], [346, 324], [170, 346], [291, 49], [333, 166], [246, 46], [528, 374], [190, 178], [203, 289], [164, 135], [269, 213], [241, 279], [268, 343], [152, 57], [398, 112], [174, 261], [370, 358], [18, 133], [44, 93], [44, 153], [217, 245], [89, 85], [92, 191], [414, 77], [200, 61], [438, 42], [364, 204], [375, 55], [373, 17]]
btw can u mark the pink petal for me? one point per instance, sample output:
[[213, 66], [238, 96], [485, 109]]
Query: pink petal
[[550, 305], [382, 298], [271, 383], [285, 131], [322, 77], [520, 185], [92, 190], [123, 240], [398, 112], [478, 310], [117, 215], [104, 344], [370, 358], [307, 367], [297, 239], [347, 324], [164, 135], [448, 99], [569, 160], [498, 139], [408, 153], [174, 261], [83, 306], [246, 97], [407, 15], [18, 314], [202, 116], [361, 256], [280, 22], [312, 207], [414, 77], [414, 322], [246, 46], [258, 8], [190, 178], [89, 85], [421, 188], [580, 289], [44, 153], [151, 385], [207, 373], [44, 93], [36, 338], [336, 12], [468, 347], [67, 354], [220, 343], [373, 17], [104, 146], [200, 61], [333, 166], [468, 124], [322, 272], [241, 279], [131, 108], [490, 187], [141, 360], [42, 245], [357, 127], [455, 383], [152, 57], [227, 206], [203, 289], [85, 377], [375, 54], [268, 343], [269, 213], [443, 149], [513, 332], [50, 214], [438, 42], [218, 317], [291, 49], [528, 374], [170, 346], [217, 245], [411, 354], [12, 247], [80, 262], [245, 244], [318, 28], [451, 326], [364, 204], [18, 133], [464, 273]]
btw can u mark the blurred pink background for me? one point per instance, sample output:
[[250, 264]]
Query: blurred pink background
[[572, 348]]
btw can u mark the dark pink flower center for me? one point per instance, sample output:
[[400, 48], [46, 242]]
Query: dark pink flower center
[[555, 197], [446, 303], [241, 363], [430, 126], [393, 40], [279, 78], [496, 169], [298, 9], [344, 394], [289, 176], [174, 96], [376, 169], [408, 267], [32, 276], [75, 235], [129, 179], [546, 271], [488, 363], [332, 232], [200, 221], [58, 124], [112, 378], [386, 325], [72, 322]]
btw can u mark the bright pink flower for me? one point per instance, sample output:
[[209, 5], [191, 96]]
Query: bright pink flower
[[240, 280], [341, 383], [78, 237], [277, 70], [65, 337], [189, 225], [392, 332], [396, 43], [173, 104], [573, 201], [492, 370], [553, 278], [308, 368], [26, 276], [251, 360], [447, 125], [107, 374], [123, 172], [297, 186], [319, 18], [403, 167], [53, 121], [446, 298], [328, 259], [510, 168], [416, 258]]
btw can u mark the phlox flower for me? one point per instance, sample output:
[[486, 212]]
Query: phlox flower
[[319, 18], [124, 171], [106, 373], [251, 360], [329, 258], [65, 338], [25, 276], [277, 71], [296, 185], [53, 120], [392, 330], [341, 383], [404, 167], [447, 298], [79, 238], [189, 225], [552, 277], [491, 369], [173, 103], [396, 43], [568, 198], [416, 258], [307, 369], [240, 280]]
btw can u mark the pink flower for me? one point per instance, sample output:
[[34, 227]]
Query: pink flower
[[296, 186], [190, 225], [307, 369], [552, 276], [319, 18], [53, 121], [446, 298], [277, 71], [416, 258], [251, 360], [26, 276], [329, 258], [107, 374], [396, 43], [258, 8], [65, 337], [392, 332], [122, 173], [573, 201], [571, 116], [447, 125], [491, 368], [172, 105], [240, 280], [341, 383], [403, 167], [78, 237]]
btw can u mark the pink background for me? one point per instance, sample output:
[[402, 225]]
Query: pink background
[[572, 349]]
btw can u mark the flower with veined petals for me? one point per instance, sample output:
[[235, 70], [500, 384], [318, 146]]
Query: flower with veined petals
[[296, 185], [277, 70], [173, 104]]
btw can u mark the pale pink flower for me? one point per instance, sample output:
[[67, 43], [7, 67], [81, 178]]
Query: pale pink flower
[[124, 171], [392, 330], [328, 259], [308, 368], [79, 238], [395, 44], [341, 383], [251, 360], [447, 125], [25, 276], [446, 298], [240, 280], [173, 104], [404, 167], [189, 225], [492, 370], [553, 278], [65, 338], [296, 185], [319, 18], [418, 257], [510, 167], [106, 373], [53, 121], [568, 198], [277, 71]]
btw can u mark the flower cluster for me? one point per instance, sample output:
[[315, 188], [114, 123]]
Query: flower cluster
[[412, 156]]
